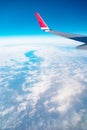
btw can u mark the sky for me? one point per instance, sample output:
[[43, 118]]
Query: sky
[[17, 17]]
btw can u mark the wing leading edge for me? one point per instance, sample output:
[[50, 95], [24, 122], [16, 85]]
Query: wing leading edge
[[75, 37]]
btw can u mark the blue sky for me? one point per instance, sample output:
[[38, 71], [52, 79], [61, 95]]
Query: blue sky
[[17, 16]]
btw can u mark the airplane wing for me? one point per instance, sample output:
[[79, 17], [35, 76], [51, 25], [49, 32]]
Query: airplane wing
[[75, 37]]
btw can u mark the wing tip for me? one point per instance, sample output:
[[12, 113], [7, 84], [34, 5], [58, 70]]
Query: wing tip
[[41, 22]]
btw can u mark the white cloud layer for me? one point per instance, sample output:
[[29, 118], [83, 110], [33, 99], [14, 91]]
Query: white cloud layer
[[17, 40], [48, 83]]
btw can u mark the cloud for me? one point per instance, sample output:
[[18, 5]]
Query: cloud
[[51, 88], [17, 40], [22, 106], [6, 111]]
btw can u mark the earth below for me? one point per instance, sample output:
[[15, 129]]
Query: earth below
[[43, 87]]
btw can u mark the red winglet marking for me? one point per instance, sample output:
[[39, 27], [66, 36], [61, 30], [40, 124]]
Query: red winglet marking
[[40, 21]]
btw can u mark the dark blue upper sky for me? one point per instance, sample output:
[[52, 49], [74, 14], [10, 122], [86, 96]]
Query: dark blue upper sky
[[17, 16]]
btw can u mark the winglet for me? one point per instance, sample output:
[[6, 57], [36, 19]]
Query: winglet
[[41, 22]]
